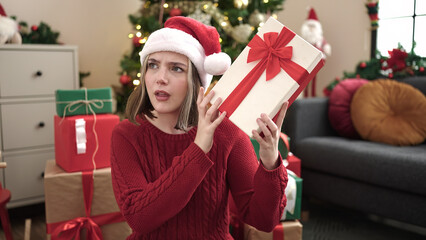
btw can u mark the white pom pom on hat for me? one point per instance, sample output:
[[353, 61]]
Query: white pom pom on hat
[[199, 42]]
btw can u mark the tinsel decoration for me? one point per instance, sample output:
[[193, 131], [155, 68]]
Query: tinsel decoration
[[373, 10]]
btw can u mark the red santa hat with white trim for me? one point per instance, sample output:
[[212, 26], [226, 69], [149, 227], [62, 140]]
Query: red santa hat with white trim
[[199, 42]]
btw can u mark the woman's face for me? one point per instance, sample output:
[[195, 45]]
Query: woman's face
[[166, 81]]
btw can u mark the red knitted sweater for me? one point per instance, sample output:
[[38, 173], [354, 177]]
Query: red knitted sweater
[[168, 188]]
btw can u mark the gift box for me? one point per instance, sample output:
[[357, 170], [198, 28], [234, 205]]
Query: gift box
[[288, 230], [291, 162], [83, 101], [81, 201], [83, 142], [281, 147], [275, 67], [293, 193]]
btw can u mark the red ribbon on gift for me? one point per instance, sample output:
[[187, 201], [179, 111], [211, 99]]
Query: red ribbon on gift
[[274, 55], [278, 232], [71, 229]]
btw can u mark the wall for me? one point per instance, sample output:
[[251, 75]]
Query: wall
[[99, 28]]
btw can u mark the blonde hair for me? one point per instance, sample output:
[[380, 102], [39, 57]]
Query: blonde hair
[[139, 104]]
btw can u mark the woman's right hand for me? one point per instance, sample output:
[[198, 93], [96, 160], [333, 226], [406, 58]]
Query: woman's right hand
[[208, 120]]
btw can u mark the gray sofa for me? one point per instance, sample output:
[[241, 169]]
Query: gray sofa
[[385, 180]]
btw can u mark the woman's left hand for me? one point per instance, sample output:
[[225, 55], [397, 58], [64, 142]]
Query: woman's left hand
[[268, 151]]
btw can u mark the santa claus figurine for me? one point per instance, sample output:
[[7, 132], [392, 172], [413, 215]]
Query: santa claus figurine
[[312, 32], [9, 32]]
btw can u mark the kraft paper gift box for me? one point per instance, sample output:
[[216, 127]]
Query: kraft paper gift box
[[256, 83], [83, 101], [78, 144], [288, 230], [293, 193], [68, 204]]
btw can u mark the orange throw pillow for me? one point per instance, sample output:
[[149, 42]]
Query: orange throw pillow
[[390, 112]]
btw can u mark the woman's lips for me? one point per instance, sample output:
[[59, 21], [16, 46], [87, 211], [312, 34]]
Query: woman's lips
[[161, 95]]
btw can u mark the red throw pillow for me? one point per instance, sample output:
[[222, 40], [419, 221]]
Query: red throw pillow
[[339, 103]]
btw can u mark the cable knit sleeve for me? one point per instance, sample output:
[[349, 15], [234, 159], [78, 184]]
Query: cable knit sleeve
[[259, 194], [147, 205]]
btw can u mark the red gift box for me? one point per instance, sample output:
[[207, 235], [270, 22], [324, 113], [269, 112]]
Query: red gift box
[[292, 162], [96, 141]]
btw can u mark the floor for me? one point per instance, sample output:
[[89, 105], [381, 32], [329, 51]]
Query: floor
[[321, 221]]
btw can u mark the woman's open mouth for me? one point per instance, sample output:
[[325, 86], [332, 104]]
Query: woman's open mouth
[[161, 95]]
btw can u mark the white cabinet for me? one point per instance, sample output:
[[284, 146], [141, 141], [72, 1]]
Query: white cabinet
[[29, 76]]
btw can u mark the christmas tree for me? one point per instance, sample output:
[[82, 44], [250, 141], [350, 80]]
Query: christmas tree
[[236, 21]]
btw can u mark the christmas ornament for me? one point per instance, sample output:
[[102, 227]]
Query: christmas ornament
[[175, 12], [256, 18], [241, 4], [241, 33], [200, 16], [34, 28], [137, 41], [125, 79], [363, 65], [421, 69]]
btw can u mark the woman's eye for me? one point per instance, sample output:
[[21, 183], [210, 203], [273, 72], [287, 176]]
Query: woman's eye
[[152, 65], [177, 69]]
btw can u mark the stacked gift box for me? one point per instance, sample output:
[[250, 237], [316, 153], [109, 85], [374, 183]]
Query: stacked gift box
[[275, 67], [79, 197]]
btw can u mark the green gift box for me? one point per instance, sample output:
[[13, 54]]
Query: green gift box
[[298, 204], [83, 101], [281, 147]]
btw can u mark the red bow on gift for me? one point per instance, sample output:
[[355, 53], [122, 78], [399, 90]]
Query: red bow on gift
[[71, 229], [68, 230], [274, 55]]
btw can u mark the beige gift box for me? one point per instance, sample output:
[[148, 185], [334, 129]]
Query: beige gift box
[[267, 96], [64, 199], [292, 231]]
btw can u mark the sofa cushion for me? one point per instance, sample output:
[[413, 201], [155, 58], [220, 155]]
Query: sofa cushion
[[375, 163], [339, 112], [390, 112]]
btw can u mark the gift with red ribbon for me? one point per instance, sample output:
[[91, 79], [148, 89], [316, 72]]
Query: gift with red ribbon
[[275, 67], [81, 205], [82, 142], [287, 230]]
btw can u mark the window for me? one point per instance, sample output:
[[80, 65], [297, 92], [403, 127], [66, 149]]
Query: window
[[402, 22]]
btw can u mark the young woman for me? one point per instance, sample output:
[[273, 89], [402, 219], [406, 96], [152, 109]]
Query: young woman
[[176, 159]]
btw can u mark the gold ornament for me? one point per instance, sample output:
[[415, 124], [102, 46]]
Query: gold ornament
[[256, 18]]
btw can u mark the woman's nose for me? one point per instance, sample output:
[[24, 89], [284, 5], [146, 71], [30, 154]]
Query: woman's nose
[[162, 77]]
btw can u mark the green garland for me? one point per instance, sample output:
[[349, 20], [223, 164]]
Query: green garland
[[399, 64]]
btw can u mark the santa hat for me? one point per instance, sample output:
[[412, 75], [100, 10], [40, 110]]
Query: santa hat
[[199, 42], [2, 12], [312, 15]]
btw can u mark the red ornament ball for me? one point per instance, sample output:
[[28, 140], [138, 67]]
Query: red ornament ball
[[137, 41], [34, 28], [125, 79], [421, 69], [175, 12], [363, 65], [390, 75]]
